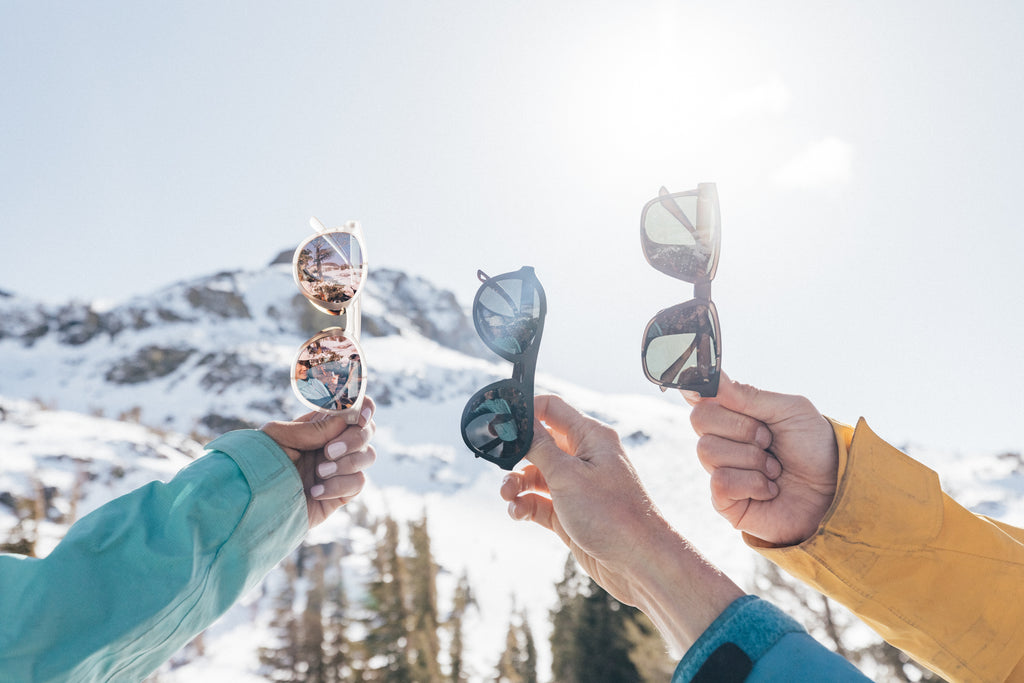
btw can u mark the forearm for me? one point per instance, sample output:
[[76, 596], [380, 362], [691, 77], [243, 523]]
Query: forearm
[[679, 589], [136, 579]]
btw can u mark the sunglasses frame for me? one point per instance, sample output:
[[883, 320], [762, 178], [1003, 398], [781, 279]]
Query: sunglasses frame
[[348, 312], [707, 201], [520, 386]]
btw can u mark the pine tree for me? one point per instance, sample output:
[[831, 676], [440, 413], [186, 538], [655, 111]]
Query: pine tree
[[280, 662], [425, 647], [461, 603], [564, 624], [341, 662], [601, 641], [387, 641]]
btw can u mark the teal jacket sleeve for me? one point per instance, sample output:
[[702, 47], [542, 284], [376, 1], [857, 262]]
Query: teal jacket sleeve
[[755, 642], [136, 579]]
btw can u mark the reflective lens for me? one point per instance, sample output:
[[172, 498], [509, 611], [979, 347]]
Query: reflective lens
[[330, 269], [682, 348], [680, 233], [506, 313], [498, 422], [328, 371]]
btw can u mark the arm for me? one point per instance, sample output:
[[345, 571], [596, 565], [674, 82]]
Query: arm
[[581, 486], [136, 579], [868, 526]]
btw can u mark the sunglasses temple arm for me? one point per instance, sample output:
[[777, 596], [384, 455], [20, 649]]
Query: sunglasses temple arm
[[673, 208], [354, 226]]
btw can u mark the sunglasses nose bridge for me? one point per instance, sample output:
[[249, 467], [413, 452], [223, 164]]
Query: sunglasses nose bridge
[[702, 290]]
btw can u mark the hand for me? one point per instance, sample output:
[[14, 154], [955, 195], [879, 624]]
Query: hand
[[597, 504], [773, 461], [581, 485], [330, 456]]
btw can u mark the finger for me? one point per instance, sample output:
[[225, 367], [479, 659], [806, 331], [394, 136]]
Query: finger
[[708, 417], [351, 463], [716, 453], [367, 411], [729, 486], [521, 481], [305, 436], [352, 439], [532, 507], [570, 429], [343, 487], [766, 406]]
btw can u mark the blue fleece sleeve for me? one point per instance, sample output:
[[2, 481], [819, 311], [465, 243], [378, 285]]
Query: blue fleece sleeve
[[755, 642], [136, 579]]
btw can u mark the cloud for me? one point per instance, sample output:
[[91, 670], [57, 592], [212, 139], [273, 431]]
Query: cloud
[[769, 97], [825, 163]]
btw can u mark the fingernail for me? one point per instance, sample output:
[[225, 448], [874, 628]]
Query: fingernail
[[337, 449], [763, 437], [773, 468], [325, 469], [773, 489], [366, 413], [690, 396], [317, 490]]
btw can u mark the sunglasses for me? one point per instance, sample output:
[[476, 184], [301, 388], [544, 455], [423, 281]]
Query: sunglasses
[[681, 235], [330, 268], [508, 312]]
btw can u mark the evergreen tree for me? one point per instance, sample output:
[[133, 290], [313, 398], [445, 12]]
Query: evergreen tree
[[461, 603], [387, 641], [280, 662], [341, 661], [564, 621], [425, 647], [595, 638]]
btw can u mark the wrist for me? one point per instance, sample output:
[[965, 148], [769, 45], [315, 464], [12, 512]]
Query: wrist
[[679, 589]]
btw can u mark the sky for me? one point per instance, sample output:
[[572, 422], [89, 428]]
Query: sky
[[868, 158]]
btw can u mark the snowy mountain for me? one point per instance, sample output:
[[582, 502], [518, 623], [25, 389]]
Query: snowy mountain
[[209, 355]]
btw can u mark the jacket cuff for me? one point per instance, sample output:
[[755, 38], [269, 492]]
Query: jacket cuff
[[735, 641], [276, 519]]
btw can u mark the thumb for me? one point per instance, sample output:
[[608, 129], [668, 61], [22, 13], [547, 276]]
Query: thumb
[[305, 435], [766, 406]]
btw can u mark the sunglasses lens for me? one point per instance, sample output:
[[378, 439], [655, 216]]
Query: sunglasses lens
[[498, 423], [681, 348], [507, 314], [330, 269], [681, 234], [328, 372]]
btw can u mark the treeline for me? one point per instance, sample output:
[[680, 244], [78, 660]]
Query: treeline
[[391, 628]]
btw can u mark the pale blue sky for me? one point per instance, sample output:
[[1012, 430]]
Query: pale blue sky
[[869, 160]]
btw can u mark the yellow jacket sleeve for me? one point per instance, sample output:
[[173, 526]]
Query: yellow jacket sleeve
[[944, 585]]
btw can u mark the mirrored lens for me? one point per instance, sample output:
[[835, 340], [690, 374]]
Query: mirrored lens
[[681, 348], [680, 235], [498, 422], [330, 268], [328, 372], [507, 315]]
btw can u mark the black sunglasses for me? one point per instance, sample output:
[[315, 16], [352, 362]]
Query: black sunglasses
[[508, 312], [681, 236]]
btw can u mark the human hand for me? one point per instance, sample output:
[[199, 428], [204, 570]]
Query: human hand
[[329, 455], [581, 485], [772, 457]]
